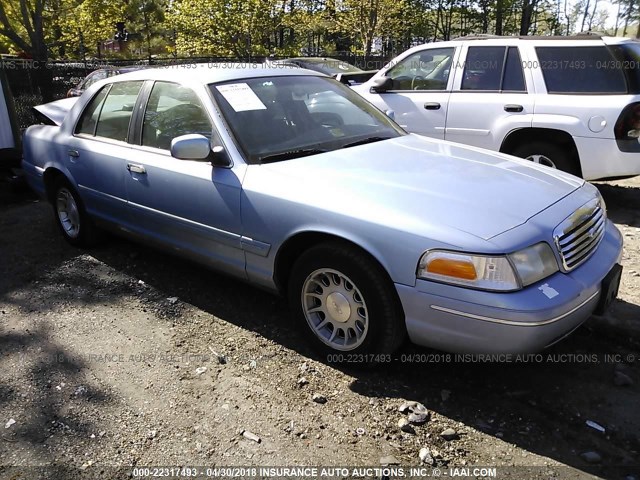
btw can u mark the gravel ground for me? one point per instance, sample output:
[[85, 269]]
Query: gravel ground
[[122, 356]]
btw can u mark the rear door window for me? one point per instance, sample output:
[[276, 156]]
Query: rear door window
[[116, 112], [493, 69], [580, 70]]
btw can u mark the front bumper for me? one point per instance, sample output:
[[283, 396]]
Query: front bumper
[[462, 320]]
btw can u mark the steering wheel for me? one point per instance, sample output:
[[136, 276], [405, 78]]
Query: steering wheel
[[414, 80]]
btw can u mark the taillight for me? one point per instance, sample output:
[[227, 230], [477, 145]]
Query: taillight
[[627, 128]]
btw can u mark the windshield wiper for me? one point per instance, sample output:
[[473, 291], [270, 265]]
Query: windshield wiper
[[364, 141], [289, 154]]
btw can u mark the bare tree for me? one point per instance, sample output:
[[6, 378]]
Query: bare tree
[[528, 8], [593, 14], [499, 13]]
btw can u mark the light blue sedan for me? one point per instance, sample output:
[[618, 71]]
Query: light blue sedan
[[289, 180]]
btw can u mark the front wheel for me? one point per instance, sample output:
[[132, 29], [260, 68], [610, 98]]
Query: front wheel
[[343, 301], [550, 155]]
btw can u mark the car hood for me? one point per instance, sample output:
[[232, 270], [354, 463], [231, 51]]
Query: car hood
[[418, 184]]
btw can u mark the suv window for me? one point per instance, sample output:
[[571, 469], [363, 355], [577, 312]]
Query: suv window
[[513, 78], [172, 111], [424, 70], [628, 61], [580, 70], [493, 69]]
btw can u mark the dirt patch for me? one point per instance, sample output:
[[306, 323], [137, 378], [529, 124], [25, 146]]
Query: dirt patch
[[122, 356]]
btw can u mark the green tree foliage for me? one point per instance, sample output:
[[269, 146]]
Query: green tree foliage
[[371, 19], [85, 24], [248, 28], [23, 24], [5, 45], [145, 22], [240, 28]]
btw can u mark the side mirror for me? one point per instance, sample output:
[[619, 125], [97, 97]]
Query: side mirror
[[381, 85], [191, 147], [391, 114]]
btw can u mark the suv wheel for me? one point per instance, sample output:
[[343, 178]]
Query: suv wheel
[[343, 303], [550, 155]]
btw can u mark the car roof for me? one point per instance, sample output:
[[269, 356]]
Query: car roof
[[213, 72]]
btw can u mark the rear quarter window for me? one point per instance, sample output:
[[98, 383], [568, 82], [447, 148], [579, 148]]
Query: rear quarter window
[[627, 59], [580, 70]]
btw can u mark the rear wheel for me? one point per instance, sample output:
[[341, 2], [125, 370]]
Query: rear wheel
[[72, 220], [343, 302], [550, 155]]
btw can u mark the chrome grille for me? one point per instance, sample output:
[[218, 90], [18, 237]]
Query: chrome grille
[[578, 236]]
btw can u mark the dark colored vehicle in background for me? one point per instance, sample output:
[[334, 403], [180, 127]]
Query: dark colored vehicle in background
[[342, 71], [328, 66], [96, 75]]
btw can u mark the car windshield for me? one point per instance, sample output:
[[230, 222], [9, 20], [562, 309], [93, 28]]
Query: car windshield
[[285, 117]]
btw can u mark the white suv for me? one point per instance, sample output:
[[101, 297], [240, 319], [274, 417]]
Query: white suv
[[567, 102]]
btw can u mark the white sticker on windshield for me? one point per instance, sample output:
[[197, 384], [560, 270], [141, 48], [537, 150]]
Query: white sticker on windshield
[[241, 97]]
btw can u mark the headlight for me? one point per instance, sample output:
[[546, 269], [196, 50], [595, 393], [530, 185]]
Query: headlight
[[534, 263], [499, 273], [477, 271]]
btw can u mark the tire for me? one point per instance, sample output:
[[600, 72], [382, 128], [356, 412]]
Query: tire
[[76, 226], [365, 316], [551, 155]]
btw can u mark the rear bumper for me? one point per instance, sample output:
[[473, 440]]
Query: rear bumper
[[601, 158], [526, 321]]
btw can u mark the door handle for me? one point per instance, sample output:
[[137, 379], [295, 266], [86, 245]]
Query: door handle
[[432, 106], [74, 153], [133, 168], [511, 107]]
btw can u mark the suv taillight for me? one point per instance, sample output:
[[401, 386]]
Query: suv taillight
[[627, 128]]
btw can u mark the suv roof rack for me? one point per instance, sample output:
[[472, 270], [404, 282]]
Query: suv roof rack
[[575, 36], [480, 36]]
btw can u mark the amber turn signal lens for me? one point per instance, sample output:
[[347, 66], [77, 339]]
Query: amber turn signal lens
[[452, 268]]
